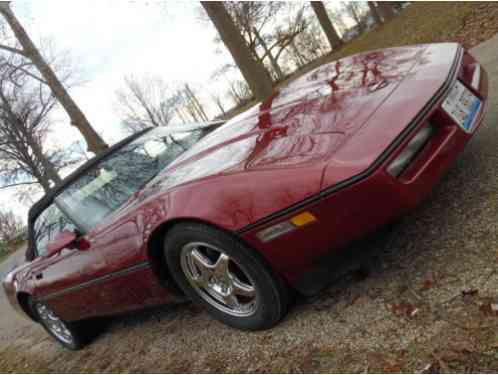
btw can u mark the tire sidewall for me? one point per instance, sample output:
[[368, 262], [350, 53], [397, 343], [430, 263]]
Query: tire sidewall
[[78, 341], [271, 301]]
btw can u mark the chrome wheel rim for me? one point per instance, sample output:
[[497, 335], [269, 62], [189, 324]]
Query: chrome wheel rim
[[54, 324], [218, 279]]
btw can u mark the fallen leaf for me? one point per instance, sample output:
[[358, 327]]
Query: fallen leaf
[[470, 292], [489, 308], [429, 368], [404, 309], [427, 284]]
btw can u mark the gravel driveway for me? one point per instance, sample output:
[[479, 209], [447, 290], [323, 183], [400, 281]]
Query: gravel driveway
[[420, 299]]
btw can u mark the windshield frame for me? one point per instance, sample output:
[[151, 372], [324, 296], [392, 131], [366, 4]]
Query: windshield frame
[[90, 199], [51, 197]]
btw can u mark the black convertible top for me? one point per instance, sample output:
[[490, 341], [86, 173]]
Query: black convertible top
[[47, 199]]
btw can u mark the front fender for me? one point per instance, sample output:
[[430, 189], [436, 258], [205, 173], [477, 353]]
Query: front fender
[[10, 288]]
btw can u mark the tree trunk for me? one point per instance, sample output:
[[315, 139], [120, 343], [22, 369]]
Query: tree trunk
[[180, 115], [356, 16], [386, 10], [48, 169], [374, 12], [273, 61], [43, 181], [327, 27], [196, 103], [220, 106], [94, 142], [255, 74]]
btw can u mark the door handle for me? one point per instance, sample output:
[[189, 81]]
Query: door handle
[[39, 276]]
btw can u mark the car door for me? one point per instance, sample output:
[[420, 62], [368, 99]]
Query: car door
[[130, 282], [64, 280]]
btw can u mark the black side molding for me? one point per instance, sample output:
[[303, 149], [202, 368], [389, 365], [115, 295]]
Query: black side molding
[[136, 267]]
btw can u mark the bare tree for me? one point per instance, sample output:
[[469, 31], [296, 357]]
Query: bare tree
[[308, 47], [266, 39], [254, 73], [386, 10], [356, 12], [146, 102], [217, 99], [11, 226], [327, 27], [373, 11], [251, 18], [192, 103], [238, 89], [25, 106], [28, 51]]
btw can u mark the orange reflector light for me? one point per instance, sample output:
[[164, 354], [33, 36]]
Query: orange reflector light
[[303, 219]]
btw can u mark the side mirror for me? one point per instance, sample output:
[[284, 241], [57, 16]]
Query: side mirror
[[62, 240]]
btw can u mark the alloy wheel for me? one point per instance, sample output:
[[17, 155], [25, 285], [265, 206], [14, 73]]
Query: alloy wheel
[[219, 279], [53, 323]]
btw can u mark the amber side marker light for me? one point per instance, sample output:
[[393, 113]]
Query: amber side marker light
[[300, 220]]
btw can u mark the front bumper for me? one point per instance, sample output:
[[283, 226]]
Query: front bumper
[[9, 287]]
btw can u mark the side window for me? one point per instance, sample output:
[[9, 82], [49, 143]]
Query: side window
[[48, 224]]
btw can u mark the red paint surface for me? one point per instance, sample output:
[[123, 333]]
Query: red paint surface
[[323, 128]]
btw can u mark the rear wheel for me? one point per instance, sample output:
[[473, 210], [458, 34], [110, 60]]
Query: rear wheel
[[226, 277], [68, 334]]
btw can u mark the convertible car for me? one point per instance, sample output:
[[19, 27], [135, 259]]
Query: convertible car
[[235, 216]]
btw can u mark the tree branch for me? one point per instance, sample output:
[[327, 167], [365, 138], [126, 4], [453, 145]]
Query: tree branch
[[19, 183], [14, 50], [28, 73]]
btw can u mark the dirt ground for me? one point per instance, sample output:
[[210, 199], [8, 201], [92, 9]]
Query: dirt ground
[[422, 301]]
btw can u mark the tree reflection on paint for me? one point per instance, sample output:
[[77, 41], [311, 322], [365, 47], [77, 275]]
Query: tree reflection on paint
[[113, 181]]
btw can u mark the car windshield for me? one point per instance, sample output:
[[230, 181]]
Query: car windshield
[[109, 184]]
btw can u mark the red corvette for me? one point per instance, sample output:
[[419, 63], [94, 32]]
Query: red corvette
[[233, 217]]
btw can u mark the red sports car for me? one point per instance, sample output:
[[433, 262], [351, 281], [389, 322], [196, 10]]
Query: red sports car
[[235, 216]]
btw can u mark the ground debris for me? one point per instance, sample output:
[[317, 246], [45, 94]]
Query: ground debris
[[404, 309]]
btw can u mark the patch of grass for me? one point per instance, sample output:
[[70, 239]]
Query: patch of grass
[[10, 248]]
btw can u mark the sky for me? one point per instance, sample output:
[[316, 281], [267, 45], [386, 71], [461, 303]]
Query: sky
[[107, 40], [110, 39]]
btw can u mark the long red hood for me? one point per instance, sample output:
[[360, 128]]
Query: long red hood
[[341, 116]]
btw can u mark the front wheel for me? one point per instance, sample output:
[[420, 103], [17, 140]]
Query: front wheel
[[226, 277]]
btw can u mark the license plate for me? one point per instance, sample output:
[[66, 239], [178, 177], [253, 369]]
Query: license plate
[[462, 106]]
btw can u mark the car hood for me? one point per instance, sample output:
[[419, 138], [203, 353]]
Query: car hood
[[302, 126]]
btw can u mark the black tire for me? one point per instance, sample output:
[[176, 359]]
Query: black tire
[[80, 334], [271, 291]]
